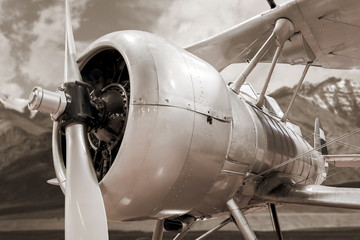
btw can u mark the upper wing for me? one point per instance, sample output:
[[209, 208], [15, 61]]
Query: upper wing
[[328, 30]]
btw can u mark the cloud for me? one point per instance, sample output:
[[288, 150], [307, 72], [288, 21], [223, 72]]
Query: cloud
[[8, 64], [8, 69], [46, 63], [34, 31], [32, 34], [186, 22], [100, 19], [281, 76]]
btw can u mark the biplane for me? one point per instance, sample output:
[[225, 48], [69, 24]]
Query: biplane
[[144, 129]]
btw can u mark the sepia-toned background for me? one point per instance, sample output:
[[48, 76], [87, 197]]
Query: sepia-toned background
[[32, 53]]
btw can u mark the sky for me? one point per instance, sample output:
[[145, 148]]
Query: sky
[[32, 35]]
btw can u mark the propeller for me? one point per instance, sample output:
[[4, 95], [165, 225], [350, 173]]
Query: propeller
[[85, 216]]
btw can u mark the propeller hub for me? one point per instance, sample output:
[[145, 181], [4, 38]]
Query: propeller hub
[[47, 102]]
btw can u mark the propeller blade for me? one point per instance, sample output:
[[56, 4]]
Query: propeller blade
[[85, 216], [71, 70]]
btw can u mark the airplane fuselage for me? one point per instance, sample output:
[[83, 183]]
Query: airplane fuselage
[[190, 142]]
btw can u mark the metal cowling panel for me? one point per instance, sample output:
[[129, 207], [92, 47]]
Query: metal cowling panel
[[149, 162], [177, 131]]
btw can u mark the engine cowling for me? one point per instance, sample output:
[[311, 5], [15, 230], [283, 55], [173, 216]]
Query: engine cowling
[[177, 128]]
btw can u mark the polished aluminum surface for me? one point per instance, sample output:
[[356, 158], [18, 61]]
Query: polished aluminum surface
[[158, 230], [219, 145], [191, 143], [315, 195], [47, 102], [58, 158], [172, 94], [241, 221], [157, 101], [343, 160], [84, 216], [258, 142]]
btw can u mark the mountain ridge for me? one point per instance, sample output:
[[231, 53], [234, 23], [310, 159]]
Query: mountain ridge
[[26, 159], [335, 123], [339, 96]]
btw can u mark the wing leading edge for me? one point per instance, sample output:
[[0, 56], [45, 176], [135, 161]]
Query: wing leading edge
[[315, 195], [350, 160], [328, 29]]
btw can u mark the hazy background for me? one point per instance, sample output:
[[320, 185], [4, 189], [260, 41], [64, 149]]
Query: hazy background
[[32, 53], [32, 35]]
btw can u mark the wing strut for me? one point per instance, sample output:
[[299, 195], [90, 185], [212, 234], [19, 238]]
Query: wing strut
[[283, 119], [187, 223], [276, 222], [267, 81], [159, 230], [221, 225], [283, 30], [240, 220]]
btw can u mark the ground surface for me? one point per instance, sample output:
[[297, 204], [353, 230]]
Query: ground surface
[[329, 234]]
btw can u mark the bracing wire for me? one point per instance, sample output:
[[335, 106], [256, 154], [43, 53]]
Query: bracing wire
[[346, 144], [305, 154]]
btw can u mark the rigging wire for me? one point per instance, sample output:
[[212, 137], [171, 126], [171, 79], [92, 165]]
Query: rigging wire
[[308, 136], [329, 174], [345, 144], [304, 154]]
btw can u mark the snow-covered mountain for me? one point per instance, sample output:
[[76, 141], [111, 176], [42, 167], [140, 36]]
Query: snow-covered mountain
[[25, 159], [25, 150], [336, 102], [339, 96]]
